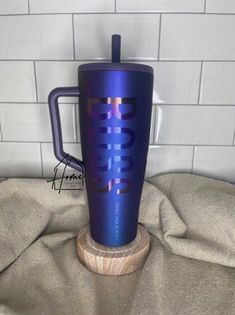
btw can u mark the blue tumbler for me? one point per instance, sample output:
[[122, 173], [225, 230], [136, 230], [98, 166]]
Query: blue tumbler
[[115, 105]]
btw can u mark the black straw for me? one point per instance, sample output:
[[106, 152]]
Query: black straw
[[116, 48]]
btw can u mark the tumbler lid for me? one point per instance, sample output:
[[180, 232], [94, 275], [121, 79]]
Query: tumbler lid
[[116, 64]]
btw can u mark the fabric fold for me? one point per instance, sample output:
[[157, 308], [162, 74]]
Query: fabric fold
[[186, 215]]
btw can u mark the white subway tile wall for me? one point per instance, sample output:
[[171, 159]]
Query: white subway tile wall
[[197, 37], [13, 7], [31, 122], [195, 125], [165, 159], [51, 74], [215, 161], [218, 82], [71, 6], [190, 44], [176, 82], [220, 6], [139, 35], [160, 6], [36, 37], [20, 159], [17, 81]]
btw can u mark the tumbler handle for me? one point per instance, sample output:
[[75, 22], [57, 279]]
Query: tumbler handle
[[56, 127]]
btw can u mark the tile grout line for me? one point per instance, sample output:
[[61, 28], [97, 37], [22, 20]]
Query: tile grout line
[[35, 81], [191, 145], [73, 33], [233, 138], [192, 166], [150, 144], [137, 60], [205, 6], [221, 105], [41, 159], [29, 7], [42, 103], [75, 121], [122, 12], [192, 105], [22, 141], [159, 37], [154, 123], [200, 84], [1, 137]]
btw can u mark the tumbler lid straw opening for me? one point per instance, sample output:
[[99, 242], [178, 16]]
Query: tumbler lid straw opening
[[116, 63]]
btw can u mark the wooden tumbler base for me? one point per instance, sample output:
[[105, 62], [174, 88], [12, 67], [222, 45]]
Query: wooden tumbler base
[[113, 260]]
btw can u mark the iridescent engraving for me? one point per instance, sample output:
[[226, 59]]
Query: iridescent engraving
[[105, 109], [97, 163], [111, 131], [93, 106], [109, 185]]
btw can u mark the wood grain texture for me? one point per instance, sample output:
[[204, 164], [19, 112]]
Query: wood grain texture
[[113, 260]]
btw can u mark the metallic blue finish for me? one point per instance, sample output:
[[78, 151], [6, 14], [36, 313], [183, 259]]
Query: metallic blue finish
[[56, 127], [114, 160], [115, 66], [115, 105]]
